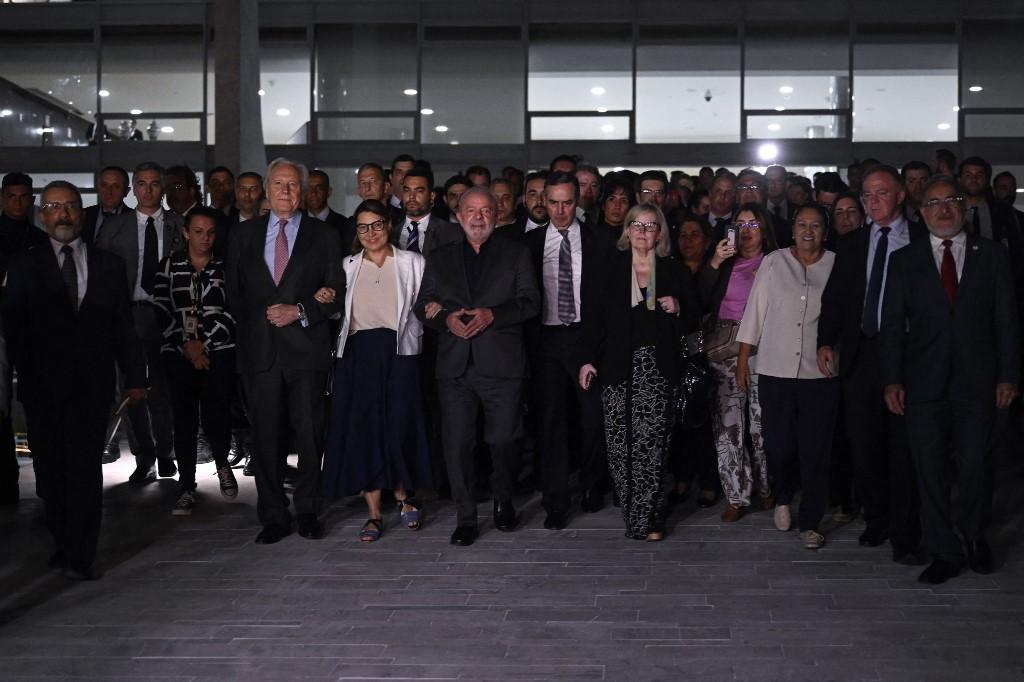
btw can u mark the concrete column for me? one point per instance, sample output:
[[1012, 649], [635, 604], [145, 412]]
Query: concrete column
[[239, 144]]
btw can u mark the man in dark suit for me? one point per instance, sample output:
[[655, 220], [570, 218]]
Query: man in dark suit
[[159, 233], [570, 263], [985, 216], [248, 193], [848, 328], [486, 292], [277, 264], [950, 349], [775, 193], [317, 195], [750, 189], [112, 188], [67, 322], [534, 213], [418, 230]]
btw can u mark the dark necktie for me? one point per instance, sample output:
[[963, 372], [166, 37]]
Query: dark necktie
[[413, 244], [150, 257], [566, 298], [777, 211], [869, 321], [975, 224], [69, 273], [948, 271]]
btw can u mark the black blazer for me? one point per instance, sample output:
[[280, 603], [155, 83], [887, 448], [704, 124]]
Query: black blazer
[[439, 233], [610, 332], [507, 286], [91, 215], [315, 262], [60, 354], [937, 352], [842, 303]]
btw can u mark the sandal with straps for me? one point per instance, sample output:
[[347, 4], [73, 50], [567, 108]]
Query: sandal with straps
[[413, 518], [371, 530]]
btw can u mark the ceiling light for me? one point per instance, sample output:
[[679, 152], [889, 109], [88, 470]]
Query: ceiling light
[[597, 90], [602, 110], [608, 128], [944, 126], [774, 126], [780, 108], [786, 90], [104, 93], [135, 112], [5, 112], [441, 129], [167, 129], [454, 142], [975, 88], [956, 109], [767, 152], [284, 112], [410, 91], [261, 92], [70, 102], [427, 112]]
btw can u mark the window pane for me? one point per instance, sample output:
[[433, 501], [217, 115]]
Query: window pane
[[994, 125], [157, 69], [284, 80], [688, 93], [796, 67], [905, 93], [579, 67], [49, 95], [478, 98], [383, 128], [355, 74], [795, 127], [580, 127], [993, 60]]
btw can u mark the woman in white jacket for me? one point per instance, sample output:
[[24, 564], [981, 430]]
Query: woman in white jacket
[[377, 434]]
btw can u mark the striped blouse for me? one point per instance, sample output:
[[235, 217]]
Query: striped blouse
[[180, 292]]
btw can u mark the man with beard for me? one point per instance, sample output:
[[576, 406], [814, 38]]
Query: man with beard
[[419, 231], [220, 185], [535, 208], [453, 189], [590, 192]]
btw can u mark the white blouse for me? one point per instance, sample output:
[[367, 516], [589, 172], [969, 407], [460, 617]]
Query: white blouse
[[782, 314]]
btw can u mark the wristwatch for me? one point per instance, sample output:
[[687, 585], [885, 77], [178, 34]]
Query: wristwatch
[[303, 320]]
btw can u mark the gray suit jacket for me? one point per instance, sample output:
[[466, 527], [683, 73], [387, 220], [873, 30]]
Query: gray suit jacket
[[120, 235]]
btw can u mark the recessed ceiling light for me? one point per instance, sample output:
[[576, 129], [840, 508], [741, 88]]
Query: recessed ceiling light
[[608, 128], [780, 108], [261, 92], [975, 88], [768, 152], [602, 110], [410, 91], [454, 142], [5, 112], [956, 109], [597, 90], [774, 126], [944, 126], [284, 112], [441, 129], [104, 93], [135, 112], [70, 102], [167, 129], [786, 90], [427, 112]]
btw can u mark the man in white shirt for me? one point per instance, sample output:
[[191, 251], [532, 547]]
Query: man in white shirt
[[420, 231]]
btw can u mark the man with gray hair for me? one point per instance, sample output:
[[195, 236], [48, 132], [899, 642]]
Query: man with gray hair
[[277, 264], [477, 294]]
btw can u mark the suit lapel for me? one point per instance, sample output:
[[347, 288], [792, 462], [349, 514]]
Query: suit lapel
[[972, 252], [52, 278], [256, 250]]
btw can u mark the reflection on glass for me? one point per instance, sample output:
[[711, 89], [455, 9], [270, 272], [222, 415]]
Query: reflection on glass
[[477, 99], [384, 128], [354, 73], [796, 67], [795, 127], [579, 127], [152, 69], [580, 67], [284, 81], [993, 60]]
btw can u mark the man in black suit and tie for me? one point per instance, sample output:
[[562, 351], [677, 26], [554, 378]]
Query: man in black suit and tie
[[248, 193], [570, 263], [142, 238], [112, 188], [486, 292], [775, 177], [722, 197], [750, 188], [277, 264], [420, 231], [534, 213], [317, 194], [67, 322], [848, 328], [950, 349]]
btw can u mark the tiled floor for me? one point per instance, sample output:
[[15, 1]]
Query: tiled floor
[[194, 598]]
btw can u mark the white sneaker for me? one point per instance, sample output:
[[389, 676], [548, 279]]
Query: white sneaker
[[228, 484], [783, 517], [185, 504], [812, 539]]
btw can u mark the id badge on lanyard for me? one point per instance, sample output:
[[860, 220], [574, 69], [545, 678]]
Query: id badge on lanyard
[[191, 322]]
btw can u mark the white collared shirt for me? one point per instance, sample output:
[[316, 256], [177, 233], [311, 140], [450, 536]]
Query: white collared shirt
[[158, 222], [958, 247], [421, 226], [530, 225], [552, 248], [322, 215], [78, 254]]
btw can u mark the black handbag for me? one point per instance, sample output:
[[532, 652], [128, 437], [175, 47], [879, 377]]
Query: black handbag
[[693, 397]]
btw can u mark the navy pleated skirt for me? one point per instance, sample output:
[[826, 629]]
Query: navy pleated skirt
[[377, 437]]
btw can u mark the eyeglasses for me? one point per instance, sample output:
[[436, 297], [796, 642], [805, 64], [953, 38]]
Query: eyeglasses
[[376, 226], [637, 226], [649, 192], [752, 187], [750, 225], [948, 202], [55, 206]]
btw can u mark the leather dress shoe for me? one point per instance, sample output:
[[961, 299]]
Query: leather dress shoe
[[706, 500], [310, 527], [873, 536], [592, 500], [464, 536], [505, 518], [732, 513], [272, 533], [556, 520], [979, 556], [908, 556], [939, 572], [142, 476], [166, 468], [111, 454]]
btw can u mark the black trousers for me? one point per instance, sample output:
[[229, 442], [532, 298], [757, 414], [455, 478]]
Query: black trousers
[[882, 468], [205, 394], [692, 452], [461, 402], [67, 442], [840, 475], [797, 420], [151, 420], [937, 431], [276, 398], [555, 377]]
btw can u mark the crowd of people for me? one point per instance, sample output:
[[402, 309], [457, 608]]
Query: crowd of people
[[847, 339]]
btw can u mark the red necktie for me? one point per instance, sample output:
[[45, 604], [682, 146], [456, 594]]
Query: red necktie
[[280, 252], [948, 271]]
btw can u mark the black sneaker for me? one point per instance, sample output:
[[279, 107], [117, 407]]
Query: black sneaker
[[228, 484], [185, 504], [166, 468]]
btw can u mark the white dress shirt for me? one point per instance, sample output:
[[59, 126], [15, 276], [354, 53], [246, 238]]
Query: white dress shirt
[[530, 225], [958, 247], [552, 248], [322, 215], [421, 226], [158, 222], [79, 255], [899, 236]]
